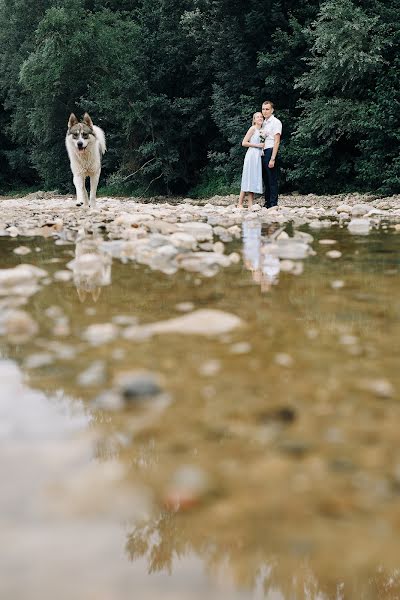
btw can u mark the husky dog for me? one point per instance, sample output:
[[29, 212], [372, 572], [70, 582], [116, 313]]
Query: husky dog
[[86, 145]]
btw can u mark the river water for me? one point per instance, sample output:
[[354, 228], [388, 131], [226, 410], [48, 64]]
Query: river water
[[271, 468]]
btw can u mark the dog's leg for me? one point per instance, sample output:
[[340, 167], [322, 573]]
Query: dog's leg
[[94, 181], [85, 194], [81, 194]]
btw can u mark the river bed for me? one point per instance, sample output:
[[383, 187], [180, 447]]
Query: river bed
[[225, 429]]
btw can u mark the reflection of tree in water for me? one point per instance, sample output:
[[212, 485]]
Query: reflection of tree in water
[[169, 536], [160, 540]]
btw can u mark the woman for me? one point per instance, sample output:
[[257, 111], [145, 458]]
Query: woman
[[252, 174]]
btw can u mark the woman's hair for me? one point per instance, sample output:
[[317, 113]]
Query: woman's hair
[[254, 116]]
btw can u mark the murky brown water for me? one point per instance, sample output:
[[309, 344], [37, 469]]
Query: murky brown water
[[289, 427]]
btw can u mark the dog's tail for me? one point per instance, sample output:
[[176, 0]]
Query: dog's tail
[[99, 133]]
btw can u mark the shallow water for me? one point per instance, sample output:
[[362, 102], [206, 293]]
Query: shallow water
[[289, 427]]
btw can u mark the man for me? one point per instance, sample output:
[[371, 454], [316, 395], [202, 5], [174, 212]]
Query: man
[[272, 129]]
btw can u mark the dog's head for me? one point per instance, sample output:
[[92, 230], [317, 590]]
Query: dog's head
[[80, 133]]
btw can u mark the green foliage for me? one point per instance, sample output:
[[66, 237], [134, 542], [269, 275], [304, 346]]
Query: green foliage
[[174, 86], [346, 55]]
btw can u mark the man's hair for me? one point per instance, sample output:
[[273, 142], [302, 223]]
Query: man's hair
[[268, 102]]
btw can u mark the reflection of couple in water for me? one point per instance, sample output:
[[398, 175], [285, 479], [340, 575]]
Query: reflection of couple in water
[[264, 266]]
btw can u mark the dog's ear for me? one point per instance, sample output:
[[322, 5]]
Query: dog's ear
[[72, 120], [87, 120]]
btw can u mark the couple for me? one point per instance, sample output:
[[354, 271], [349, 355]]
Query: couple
[[262, 140]]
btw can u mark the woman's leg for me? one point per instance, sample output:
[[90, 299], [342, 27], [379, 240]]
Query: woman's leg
[[250, 201], [241, 198]]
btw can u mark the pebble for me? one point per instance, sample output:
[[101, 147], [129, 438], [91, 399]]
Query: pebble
[[135, 386], [187, 488], [210, 368], [22, 250], [95, 374], [18, 326], [240, 348], [327, 242], [381, 388], [337, 284], [283, 360], [334, 254], [101, 333]]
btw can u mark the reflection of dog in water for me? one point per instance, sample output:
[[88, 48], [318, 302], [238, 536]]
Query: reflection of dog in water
[[91, 267]]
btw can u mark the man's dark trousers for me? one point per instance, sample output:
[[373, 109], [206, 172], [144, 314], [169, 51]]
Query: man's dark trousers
[[270, 178]]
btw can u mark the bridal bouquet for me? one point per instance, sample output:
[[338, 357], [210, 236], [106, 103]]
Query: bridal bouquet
[[262, 136]]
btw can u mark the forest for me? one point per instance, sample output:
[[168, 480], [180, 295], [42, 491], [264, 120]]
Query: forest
[[174, 85]]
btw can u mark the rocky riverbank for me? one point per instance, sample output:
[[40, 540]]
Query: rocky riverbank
[[172, 234]]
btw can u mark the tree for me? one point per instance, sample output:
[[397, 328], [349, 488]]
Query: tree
[[346, 56]]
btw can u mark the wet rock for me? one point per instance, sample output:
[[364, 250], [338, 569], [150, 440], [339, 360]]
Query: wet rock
[[184, 306], [210, 368], [295, 448], [206, 263], [130, 220], [21, 280], [218, 247], [358, 210], [18, 326], [327, 242], [334, 254], [315, 224], [101, 333], [337, 284], [22, 250], [136, 386], [283, 360], [125, 320], [183, 241], [303, 236], [160, 226], [95, 374], [240, 348], [359, 226], [287, 265], [283, 414], [12, 231], [63, 275], [200, 322], [234, 258], [202, 232], [40, 359], [292, 249], [223, 234], [188, 487], [344, 208], [381, 388]]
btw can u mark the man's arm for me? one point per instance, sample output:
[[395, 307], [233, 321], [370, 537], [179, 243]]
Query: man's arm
[[277, 141]]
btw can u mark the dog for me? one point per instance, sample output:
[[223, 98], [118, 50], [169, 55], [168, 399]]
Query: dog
[[86, 144]]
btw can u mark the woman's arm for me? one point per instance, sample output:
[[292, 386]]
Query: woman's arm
[[246, 140]]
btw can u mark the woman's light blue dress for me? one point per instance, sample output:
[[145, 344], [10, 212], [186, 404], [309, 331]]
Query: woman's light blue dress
[[252, 173]]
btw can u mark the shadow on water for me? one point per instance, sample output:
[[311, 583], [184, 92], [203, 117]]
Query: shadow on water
[[272, 471]]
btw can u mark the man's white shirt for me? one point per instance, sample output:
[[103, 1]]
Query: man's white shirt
[[270, 127]]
